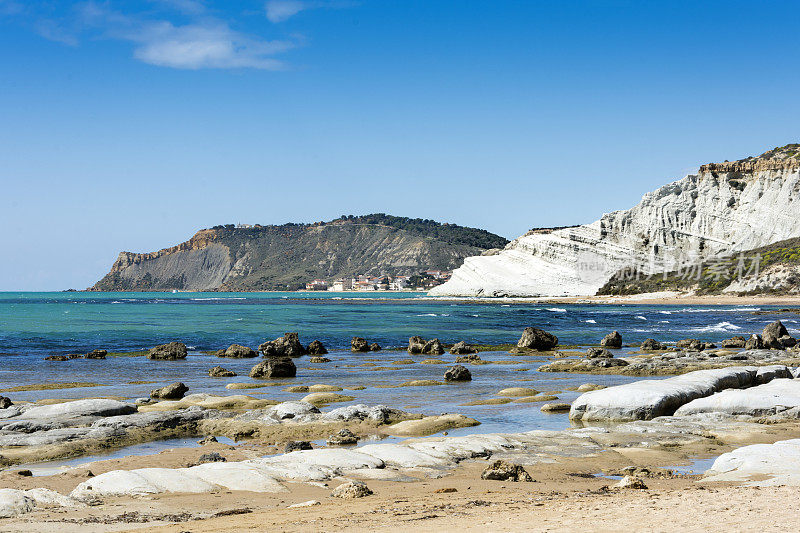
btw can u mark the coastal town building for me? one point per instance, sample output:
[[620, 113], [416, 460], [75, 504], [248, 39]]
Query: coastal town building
[[383, 282]]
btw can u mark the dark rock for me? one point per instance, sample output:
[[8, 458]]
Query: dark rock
[[56, 358], [612, 340], [537, 339], [344, 437], [207, 440], [504, 471], [653, 345], [237, 351], [24, 473], [471, 358], [375, 347], [170, 392], [755, 342], [212, 457], [286, 346], [691, 345], [734, 342], [415, 345], [595, 353], [772, 333], [297, 445], [219, 372], [168, 352], [97, 354], [788, 341], [457, 373], [5, 403], [462, 348], [274, 367], [433, 347], [316, 348], [359, 344], [319, 360]]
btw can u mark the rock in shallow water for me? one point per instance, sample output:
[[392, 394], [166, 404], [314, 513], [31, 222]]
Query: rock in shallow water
[[537, 339], [612, 340], [174, 391], [274, 367], [169, 352], [457, 373], [219, 372]]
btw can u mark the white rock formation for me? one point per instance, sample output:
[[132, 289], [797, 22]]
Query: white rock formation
[[724, 208], [762, 465], [772, 398], [647, 399]]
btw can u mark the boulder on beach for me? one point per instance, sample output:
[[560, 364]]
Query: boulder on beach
[[772, 333], [274, 367], [630, 482], [5, 402], [351, 490], [462, 348], [316, 348], [344, 437], [598, 353], [734, 342], [537, 339], [237, 351], [788, 341], [287, 346], [168, 352], [96, 354], [174, 391], [755, 342], [691, 345], [457, 373], [359, 344], [219, 372], [612, 340], [653, 345], [297, 445], [504, 471]]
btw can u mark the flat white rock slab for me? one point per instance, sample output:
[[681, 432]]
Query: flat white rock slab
[[763, 400], [762, 465]]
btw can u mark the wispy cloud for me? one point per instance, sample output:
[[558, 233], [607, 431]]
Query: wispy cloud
[[281, 10], [183, 34]]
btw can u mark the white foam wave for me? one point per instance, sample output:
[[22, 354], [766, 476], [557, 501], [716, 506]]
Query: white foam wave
[[556, 309], [720, 327], [590, 321]]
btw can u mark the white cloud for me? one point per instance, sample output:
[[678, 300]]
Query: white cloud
[[206, 42], [205, 46], [280, 10]]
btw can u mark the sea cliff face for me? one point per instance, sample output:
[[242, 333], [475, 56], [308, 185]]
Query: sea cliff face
[[257, 258], [724, 208]]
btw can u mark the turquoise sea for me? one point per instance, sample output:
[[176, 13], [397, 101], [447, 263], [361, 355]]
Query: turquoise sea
[[34, 325]]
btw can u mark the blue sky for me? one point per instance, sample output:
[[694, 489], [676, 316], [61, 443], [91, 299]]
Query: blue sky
[[128, 125]]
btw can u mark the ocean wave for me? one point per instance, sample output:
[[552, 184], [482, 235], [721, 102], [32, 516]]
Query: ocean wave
[[556, 309], [640, 317], [732, 310], [434, 314], [720, 327], [665, 312], [590, 321]]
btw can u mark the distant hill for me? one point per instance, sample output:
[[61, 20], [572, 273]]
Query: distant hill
[[285, 257]]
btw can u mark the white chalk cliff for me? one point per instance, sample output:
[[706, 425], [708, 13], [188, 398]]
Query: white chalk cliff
[[724, 208]]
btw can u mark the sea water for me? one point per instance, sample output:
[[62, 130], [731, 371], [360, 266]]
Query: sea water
[[35, 325]]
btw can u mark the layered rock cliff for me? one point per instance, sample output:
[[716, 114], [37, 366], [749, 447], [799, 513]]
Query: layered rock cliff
[[724, 208], [285, 257]]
